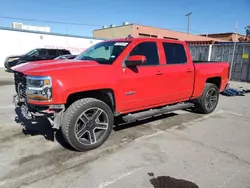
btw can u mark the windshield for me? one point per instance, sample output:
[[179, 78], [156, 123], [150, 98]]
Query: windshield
[[104, 52], [32, 53]]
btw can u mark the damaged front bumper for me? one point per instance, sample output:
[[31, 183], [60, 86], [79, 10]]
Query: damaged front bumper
[[54, 113]]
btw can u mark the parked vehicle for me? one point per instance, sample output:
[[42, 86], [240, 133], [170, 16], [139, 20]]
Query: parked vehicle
[[67, 56], [34, 55], [129, 79]]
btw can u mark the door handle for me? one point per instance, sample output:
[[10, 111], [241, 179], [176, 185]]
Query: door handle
[[159, 73], [189, 70]]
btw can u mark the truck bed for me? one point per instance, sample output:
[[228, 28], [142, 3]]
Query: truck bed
[[204, 70]]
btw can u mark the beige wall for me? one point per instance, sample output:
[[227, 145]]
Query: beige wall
[[135, 30], [234, 37], [228, 37], [161, 33], [113, 32]]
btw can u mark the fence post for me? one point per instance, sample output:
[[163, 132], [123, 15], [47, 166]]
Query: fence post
[[232, 62], [209, 52], [241, 62]]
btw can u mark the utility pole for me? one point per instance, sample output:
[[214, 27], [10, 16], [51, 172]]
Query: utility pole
[[188, 15], [236, 32]]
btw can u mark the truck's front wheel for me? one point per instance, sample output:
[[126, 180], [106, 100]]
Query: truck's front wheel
[[208, 101], [87, 124]]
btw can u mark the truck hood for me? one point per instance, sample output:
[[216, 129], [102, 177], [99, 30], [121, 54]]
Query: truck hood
[[49, 66]]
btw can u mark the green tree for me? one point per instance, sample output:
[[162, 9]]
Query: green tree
[[247, 30]]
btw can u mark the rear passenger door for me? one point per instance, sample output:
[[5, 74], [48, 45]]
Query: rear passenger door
[[178, 73], [142, 85]]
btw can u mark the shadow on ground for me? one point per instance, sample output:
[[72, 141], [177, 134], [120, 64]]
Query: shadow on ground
[[119, 125], [42, 126], [170, 182]]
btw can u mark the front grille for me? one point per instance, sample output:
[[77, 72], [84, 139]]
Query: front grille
[[20, 84]]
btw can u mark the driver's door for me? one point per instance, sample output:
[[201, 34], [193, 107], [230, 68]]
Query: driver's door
[[141, 85]]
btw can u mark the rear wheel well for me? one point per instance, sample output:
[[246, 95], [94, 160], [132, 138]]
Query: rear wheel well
[[214, 80], [105, 95]]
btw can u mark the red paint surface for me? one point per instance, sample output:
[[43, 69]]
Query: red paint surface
[[153, 85]]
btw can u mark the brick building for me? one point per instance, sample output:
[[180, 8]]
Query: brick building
[[228, 36], [136, 30]]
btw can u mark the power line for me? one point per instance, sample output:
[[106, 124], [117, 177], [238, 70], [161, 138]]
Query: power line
[[47, 21]]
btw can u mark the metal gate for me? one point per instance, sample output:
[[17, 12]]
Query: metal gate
[[237, 55], [199, 52]]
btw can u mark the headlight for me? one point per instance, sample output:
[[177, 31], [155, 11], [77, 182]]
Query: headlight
[[12, 58], [39, 88]]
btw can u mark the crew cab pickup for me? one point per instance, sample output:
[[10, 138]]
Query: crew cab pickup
[[127, 79]]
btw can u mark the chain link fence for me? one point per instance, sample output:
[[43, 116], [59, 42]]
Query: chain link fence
[[237, 55]]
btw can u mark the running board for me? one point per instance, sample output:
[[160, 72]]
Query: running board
[[156, 112]]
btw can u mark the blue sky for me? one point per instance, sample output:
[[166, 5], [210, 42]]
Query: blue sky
[[208, 16]]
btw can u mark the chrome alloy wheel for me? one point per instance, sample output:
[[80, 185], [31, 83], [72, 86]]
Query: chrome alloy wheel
[[211, 99], [91, 126]]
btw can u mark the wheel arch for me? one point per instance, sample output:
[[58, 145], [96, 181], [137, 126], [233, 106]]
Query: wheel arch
[[106, 95], [215, 80]]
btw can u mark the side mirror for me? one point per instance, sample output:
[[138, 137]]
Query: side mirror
[[135, 60]]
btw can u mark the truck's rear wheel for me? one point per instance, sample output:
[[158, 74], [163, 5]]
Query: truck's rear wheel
[[87, 124], [208, 101]]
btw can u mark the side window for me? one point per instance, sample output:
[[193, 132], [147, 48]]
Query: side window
[[42, 52], [175, 53], [52, 52], [149, 50]]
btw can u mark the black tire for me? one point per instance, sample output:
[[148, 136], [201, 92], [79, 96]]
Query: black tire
[[203, 104], [77, 116]]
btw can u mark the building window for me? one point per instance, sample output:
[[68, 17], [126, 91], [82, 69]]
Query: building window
[[170, 38], [143, 35]]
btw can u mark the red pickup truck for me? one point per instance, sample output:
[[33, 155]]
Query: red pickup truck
[[129, 78]]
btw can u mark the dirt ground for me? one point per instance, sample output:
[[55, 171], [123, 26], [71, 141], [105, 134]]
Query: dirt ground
[[180, 149]]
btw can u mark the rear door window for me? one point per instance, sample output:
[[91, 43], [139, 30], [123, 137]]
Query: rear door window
[[175, 53]]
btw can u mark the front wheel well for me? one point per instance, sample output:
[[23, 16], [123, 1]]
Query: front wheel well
[[214, 80], [105, 95]]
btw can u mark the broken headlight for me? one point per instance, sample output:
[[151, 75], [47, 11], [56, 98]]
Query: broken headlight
[[39, 88]]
